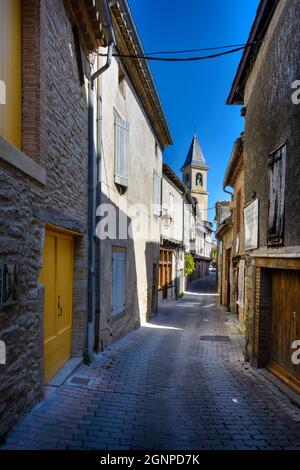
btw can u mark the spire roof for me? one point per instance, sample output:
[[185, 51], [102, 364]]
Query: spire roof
[[195, 156]]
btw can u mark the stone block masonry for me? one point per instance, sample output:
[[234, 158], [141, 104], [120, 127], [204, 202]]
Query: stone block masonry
[[54, 136]]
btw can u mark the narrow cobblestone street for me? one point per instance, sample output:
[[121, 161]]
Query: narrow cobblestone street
[[166, 386]]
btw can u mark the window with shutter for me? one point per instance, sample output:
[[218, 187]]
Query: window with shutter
[[276, 170], [156, 194], [171, 206], [121, 151], [119, 258]]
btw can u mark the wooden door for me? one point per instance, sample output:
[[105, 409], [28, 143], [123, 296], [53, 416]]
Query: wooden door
[[227, 276], [165, 271], [154, 299], [285, 324], [57, 278]]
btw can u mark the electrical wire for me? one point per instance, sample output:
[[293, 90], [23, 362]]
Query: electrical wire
[[179, 59], [183, 51]]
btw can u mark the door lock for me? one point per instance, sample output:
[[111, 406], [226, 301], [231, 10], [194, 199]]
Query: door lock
[[59, 307]]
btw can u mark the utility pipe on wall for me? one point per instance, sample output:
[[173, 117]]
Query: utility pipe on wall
[[92, 163]]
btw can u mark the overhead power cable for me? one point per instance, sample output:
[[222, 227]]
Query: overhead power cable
[[179, 59], [183, 51]]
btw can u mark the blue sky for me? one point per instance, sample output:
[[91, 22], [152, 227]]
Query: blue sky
[[194, 93]]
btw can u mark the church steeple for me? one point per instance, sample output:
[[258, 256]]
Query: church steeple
[[194, 172], [195, 155]]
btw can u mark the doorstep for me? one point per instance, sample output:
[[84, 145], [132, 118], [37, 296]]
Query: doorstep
[[281, 386], [64, 373]]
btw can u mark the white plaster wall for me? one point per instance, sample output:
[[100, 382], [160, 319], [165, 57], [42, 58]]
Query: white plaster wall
[[175, 230]]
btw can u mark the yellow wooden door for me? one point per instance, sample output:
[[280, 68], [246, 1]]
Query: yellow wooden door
[[57, 278]]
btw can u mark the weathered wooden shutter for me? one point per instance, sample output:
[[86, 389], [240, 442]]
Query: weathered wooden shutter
[[121, 151], [156, 194], [118, 281], [276, 169]]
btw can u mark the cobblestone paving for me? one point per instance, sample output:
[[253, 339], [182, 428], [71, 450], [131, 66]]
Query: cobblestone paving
[[163, 387]]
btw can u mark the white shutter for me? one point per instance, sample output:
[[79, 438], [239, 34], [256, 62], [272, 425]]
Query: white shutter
[[121, 151], [118, 281], [171, 205], [156, 194]]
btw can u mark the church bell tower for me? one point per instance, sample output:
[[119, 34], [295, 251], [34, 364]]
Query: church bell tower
[[194, 175]]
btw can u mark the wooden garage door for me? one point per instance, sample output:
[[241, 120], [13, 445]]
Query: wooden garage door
[[285, 325], [57, 278]]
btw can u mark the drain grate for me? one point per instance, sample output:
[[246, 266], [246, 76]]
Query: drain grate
[[80, 381], [214, 338]]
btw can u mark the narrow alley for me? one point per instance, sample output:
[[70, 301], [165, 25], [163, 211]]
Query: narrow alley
[[180, 382]]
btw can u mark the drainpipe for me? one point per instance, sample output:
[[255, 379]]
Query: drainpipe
[[92, 256], [228, 192]]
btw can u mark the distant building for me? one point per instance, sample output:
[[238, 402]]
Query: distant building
[[171, 263], [194, 174], [224, 234], [230, 233]]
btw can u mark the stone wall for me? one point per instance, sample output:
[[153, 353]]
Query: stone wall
[[144, 247], [66, 157], [54, 137], [272, 118], [21, 237]]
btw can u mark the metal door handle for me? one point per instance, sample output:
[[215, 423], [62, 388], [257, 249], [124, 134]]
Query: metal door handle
[[294, 315], [59, 307]]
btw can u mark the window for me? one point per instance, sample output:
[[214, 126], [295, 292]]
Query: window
[[121, 151], [171, 206], [10, 71], [119, 258], [156, 149], [238, 212], [187, 179], [276, 170], [156, 194], [199, 179], [122, 82]]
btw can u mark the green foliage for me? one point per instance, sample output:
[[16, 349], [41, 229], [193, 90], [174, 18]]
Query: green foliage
[[214, 254], [189, 264]]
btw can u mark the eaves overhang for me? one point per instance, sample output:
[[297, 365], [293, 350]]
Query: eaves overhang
[[128, 43], [257, 34]]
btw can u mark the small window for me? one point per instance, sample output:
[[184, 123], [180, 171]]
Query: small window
[[118, 286], [199, 179], [121, 151], [187, 179], [156, 194], [122, 82]]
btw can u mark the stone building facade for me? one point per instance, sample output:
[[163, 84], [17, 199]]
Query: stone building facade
[[234, 177], [171, 265], [43, 193], [133, 132], [264, 85], [224, 234]]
